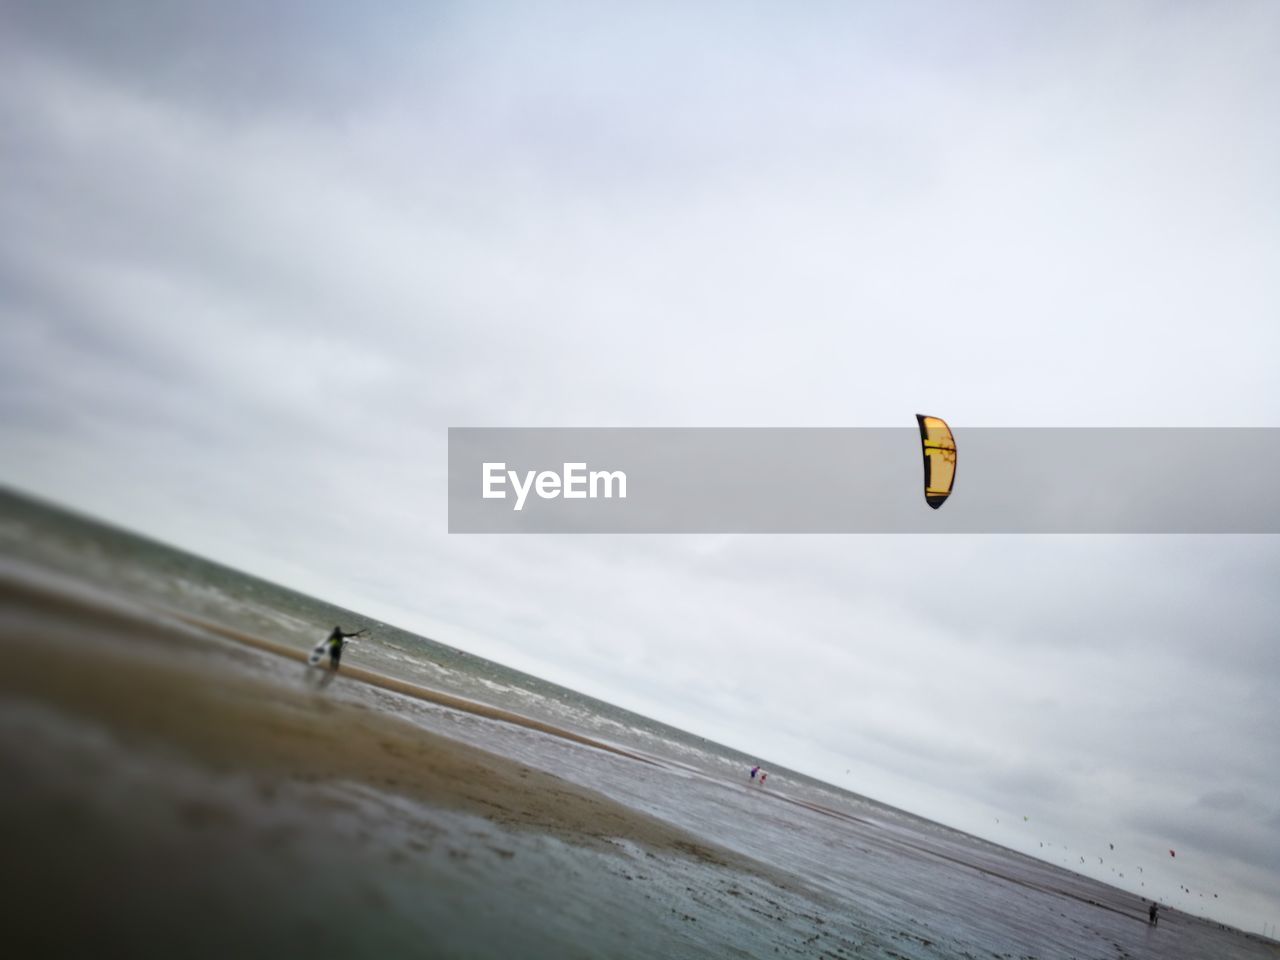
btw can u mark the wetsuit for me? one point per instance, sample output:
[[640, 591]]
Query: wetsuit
[[335, 646]]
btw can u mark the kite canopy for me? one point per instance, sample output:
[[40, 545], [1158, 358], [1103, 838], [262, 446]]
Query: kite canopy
[[939, 459]]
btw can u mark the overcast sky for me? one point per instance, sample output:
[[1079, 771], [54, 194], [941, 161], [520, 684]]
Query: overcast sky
[[255, 259]]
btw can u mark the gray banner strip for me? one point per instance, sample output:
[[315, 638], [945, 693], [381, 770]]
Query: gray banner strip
[[862, 480]]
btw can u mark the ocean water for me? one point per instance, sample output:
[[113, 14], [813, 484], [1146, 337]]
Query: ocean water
[[843, 876]]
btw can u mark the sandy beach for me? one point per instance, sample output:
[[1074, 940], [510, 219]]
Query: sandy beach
[[181, 786], [149, 691], [194, 700]]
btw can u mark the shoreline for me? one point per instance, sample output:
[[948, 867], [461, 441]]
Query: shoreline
[[222, 739], [409, 689], [58, 602], [135, 677]]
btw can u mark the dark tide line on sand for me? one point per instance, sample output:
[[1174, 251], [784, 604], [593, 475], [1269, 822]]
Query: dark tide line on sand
[[416, 691]]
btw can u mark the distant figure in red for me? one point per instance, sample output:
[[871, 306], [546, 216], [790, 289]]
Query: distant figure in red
[[763, 777], [754, 771]]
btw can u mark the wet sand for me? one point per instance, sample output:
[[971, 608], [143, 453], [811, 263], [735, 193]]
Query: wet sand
[[174, 790], [136, 677], [179, 787], [414, 690]]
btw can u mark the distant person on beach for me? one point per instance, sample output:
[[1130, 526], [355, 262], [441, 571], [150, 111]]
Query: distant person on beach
[[1152, 918], [754, 771], [763, 777]]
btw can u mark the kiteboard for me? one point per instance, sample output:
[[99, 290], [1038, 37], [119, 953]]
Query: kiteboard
[[321, 649]]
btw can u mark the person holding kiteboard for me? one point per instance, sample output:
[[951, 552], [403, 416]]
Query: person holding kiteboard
[[333, 645]]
